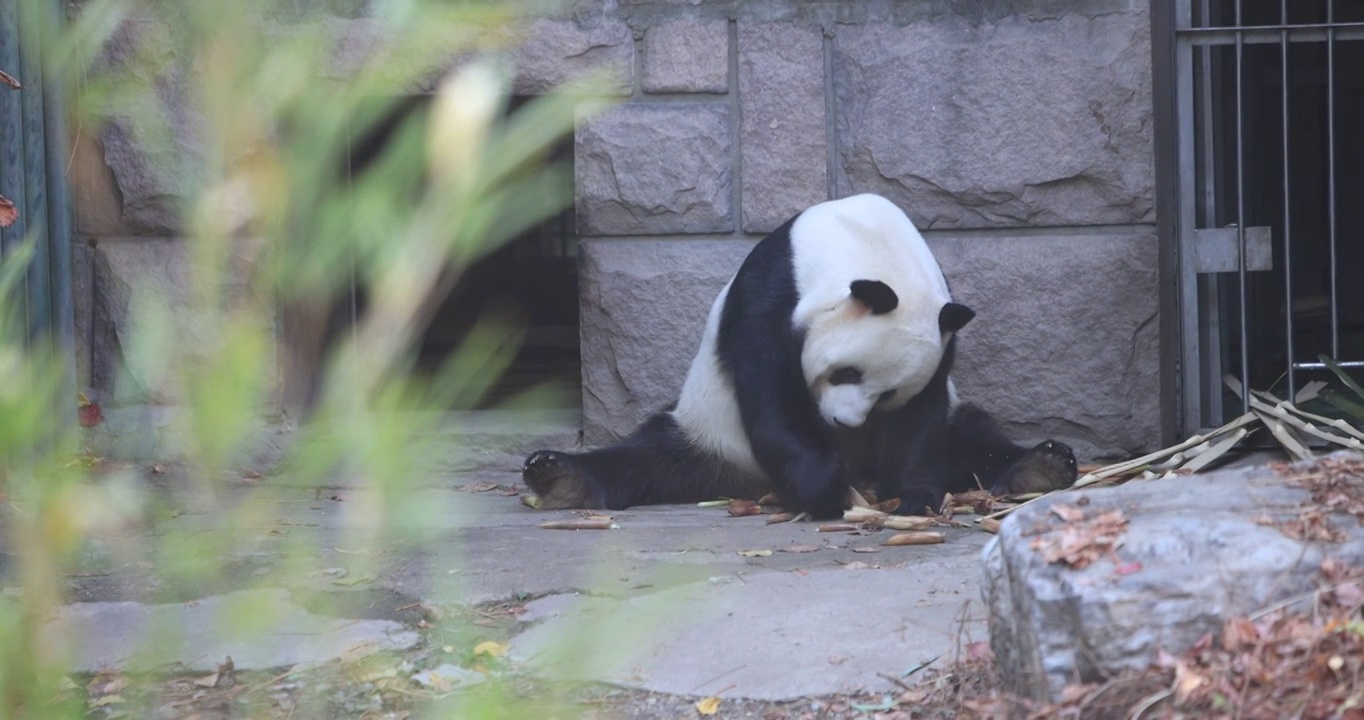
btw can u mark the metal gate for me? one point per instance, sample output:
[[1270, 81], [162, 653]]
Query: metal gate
[[32, 176], [1268, 132]]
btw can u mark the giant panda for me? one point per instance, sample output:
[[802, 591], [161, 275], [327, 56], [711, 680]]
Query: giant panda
[[825, 363]]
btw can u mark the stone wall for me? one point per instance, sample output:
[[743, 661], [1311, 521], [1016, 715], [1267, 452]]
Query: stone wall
[[1018, 139], [1016, 134]]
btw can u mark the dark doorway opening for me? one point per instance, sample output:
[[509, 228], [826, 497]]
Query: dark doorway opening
[[531, 281], [1278, 93]]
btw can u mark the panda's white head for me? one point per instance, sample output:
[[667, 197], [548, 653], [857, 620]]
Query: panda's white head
[[871, 351]]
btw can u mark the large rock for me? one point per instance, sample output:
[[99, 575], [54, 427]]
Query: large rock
[[1188, 565], [647, 169], [1065, 342], [643, 304], [687, 54], [128, 368], [975, 123], [784, 141]]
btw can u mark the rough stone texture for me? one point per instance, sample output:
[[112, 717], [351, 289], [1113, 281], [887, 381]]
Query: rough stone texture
[[687, 54], [1065, 342], [95, 195], [732, 638], [156, 267], [1009, 122], [643, 304], [654, 169], [126, 636], [554, 52], [1201, 563], [151, 145], [784, 141]]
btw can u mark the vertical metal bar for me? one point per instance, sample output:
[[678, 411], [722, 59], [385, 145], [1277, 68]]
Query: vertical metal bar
[[1210, 309], [1287, 210], [59, 229], [1331, 175], [1188, 279], [1241, 214], [11, 130], [35, 171]]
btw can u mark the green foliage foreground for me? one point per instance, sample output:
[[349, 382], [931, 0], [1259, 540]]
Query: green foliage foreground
[[272, 108]]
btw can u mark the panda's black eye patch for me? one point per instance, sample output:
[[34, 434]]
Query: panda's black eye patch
[[845, 376], [886, 396]]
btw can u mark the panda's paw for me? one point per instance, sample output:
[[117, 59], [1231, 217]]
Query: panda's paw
[[920, 501], [819, 492], [557, 479], [1048, 466]]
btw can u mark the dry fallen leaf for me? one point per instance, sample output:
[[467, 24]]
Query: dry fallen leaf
[[837, 527], [7, 212], [888, 506], [1069, 513], [581, 524], [7, 79], [866, 549], [207, 681], [780, 518], [491, 649], [989, 525], [106, 684], [755, 553], [743, 508], [908, 522], [915, 538], [708, 706], [484, 486], [799, 549]]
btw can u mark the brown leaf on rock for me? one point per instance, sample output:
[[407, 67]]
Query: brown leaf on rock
[[798, 549], [1081, 540], [7, 212], [7, 79], [780, 518]]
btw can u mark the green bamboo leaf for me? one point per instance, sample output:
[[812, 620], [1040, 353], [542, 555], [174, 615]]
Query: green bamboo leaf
[[1344, 377]]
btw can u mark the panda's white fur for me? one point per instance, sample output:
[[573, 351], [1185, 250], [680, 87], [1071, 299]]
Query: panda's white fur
[[707, 410], [833, 244]]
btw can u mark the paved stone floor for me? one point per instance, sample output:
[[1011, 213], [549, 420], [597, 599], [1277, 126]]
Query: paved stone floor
[[673, 600]]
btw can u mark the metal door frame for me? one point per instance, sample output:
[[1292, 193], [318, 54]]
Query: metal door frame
[[1190, 338]]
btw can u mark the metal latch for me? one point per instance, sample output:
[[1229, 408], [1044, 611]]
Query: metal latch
[[1215, 250]]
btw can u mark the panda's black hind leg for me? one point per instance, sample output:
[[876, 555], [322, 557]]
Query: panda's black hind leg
[[1047, 466], [560, 480]]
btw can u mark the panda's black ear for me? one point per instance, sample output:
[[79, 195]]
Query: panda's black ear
[[876, 295], [954, 317]]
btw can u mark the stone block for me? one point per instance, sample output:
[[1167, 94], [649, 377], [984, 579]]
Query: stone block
[[687, 54], [152, 144], [134, 358], [1065, 340], [1197, 564], [94, 192], [1006, 123], [643, 305], [784, 140], [651, 169], [553, 52]]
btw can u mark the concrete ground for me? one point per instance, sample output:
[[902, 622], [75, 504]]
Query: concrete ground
[[683, 601]]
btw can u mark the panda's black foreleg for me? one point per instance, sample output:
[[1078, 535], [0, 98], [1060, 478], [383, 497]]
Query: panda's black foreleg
[[803, 465], [912, 460]]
